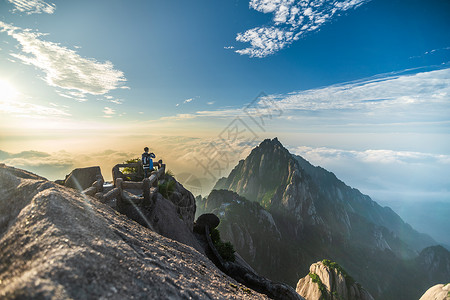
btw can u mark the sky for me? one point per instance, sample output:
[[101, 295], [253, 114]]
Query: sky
[[359, 87]]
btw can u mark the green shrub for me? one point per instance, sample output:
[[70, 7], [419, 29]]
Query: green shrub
[[322, 288], [334, 265], [167, 188], [225, 249], [131, 170], [136, 173], [169, 174]]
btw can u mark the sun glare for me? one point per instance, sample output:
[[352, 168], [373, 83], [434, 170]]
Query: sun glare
[[7, 91]]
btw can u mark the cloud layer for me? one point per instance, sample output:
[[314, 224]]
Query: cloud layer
[[63, 67], [33, 6], [387, 174], [292, 19]]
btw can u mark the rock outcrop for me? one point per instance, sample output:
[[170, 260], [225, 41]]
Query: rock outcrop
[[328, 281], [184, 202], [172, 217], [57, 243], [437, 292], [209, 220], [82, 178]]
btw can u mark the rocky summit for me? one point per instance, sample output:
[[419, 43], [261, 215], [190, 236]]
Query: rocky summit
[[329, 281], [57, 243]]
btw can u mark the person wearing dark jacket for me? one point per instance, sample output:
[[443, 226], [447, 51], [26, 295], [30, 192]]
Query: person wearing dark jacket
[[147, 162]]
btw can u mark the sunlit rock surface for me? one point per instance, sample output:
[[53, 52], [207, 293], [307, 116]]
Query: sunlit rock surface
[[325, 282], [56, 243], [437, 292]]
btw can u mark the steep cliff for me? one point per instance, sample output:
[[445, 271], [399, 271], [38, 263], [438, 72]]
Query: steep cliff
[[58, 243], [249, 227]]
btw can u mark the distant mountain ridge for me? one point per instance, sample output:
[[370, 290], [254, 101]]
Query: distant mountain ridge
[[280, 181], [314, 216]]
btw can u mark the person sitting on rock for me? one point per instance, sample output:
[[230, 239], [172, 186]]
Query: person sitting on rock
[[147, 162]]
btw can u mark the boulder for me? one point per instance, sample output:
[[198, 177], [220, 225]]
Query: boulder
[[209, 220], [82, 178], [437, 292], [165, 220]]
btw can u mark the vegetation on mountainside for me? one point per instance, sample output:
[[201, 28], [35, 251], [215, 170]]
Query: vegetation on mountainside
[[166, 188], [169, 174], [225, 249], [335, 266], [316, 279], [136, 171], [266, 199], [130, 170]]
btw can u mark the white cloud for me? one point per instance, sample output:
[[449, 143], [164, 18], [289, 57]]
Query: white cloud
[[185, 101], [292, 19], [264, 40], [178, 117], [401, 92], [210, 102], [30, 110], [390, 99], [109, 112], [116, 101], [33, 6], [11, 106], [56, 165], [384, 174], [321, 155], [63, 67]]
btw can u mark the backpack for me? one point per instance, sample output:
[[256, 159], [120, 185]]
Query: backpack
[[145, 159]]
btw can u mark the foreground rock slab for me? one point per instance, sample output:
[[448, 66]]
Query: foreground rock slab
[[56, 243]]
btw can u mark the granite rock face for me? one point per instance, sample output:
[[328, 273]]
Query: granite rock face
[[56, 243], [437, 292], [82, 178], [328, 283], [184, 202]]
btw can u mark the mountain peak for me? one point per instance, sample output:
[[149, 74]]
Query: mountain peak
[[271, 143]]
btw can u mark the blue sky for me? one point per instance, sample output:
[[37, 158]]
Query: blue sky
[[359, 87]]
